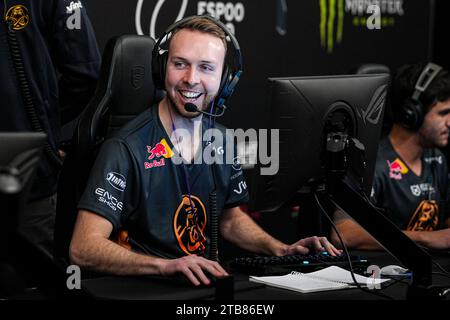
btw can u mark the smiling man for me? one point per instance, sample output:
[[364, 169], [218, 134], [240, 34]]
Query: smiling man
[[194, 70], [411, 180], [136, 186]]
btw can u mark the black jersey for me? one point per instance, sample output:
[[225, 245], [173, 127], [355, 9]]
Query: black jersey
[[137, 187], [415, 203]]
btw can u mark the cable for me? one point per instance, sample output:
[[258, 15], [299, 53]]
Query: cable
[[25, 90], [214, 216], [346, 251]]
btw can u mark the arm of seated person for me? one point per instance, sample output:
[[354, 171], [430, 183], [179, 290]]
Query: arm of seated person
[[439, 239], [237, 227], [91, 248], [353, 235]]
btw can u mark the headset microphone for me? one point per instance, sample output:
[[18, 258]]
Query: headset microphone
[[190, 107]]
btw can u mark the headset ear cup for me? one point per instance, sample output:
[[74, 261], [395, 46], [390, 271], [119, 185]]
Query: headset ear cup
[[162, 69], [412, 115], [159, 63], [420, 115]]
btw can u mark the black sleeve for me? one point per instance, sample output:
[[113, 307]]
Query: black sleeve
[[76, 56], [112, 189]]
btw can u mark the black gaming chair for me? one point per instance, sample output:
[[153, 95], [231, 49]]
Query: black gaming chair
[[124, 90]]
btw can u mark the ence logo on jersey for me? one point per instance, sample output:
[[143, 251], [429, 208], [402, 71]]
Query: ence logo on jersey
[[189, 225], [107, 198]]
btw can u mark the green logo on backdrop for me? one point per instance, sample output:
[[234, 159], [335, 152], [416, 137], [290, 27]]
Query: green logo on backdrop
[[332, 13], [331, 23]]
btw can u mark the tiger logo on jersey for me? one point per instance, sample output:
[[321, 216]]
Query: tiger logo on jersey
[[18, 17], [425, 218], [189, 225]]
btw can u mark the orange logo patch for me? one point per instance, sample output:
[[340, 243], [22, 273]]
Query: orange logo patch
[[425, 218], [18, 17], [189, 225]]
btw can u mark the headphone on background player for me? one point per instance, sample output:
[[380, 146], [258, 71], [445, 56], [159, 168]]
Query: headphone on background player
[[412, 112], [230, 76]]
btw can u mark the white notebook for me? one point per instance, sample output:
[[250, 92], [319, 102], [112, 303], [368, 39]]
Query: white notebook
[[330, 278]]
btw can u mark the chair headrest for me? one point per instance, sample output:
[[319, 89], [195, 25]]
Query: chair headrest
[[131, 82], [125, 88]]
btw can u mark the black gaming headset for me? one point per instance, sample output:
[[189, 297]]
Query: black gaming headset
[[412, 112], [230, 76]]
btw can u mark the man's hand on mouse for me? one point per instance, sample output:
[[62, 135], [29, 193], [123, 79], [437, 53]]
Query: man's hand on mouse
[[194, 268]]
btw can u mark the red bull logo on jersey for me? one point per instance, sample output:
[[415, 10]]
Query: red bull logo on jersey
[[154, 164], [397, 169], [158, 151], [157, 154]]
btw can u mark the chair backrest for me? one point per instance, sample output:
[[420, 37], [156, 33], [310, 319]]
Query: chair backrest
[[125, 89]]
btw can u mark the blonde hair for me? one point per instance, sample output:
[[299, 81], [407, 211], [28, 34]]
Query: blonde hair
[[203, 25]]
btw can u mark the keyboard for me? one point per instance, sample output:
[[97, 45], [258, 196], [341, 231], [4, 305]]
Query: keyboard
[[273, 265]]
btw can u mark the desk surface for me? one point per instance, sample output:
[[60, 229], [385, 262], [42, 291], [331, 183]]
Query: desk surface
[[152, 288]]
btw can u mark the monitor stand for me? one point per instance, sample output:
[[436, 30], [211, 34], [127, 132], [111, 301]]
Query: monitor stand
[[340, 189]]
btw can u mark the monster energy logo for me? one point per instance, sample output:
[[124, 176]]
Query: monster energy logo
[[366, 13], [331, 15]]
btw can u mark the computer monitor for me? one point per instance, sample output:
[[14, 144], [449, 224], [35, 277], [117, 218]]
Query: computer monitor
[[304, 109], [334, 122]]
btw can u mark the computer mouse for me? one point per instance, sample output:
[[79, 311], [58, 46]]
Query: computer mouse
[[393, 270]]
